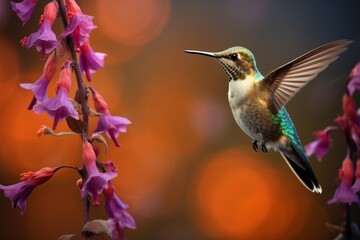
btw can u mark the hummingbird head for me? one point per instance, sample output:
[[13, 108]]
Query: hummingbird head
[[237, 62]]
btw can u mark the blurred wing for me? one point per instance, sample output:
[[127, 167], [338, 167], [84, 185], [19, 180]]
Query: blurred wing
[[287, 80]]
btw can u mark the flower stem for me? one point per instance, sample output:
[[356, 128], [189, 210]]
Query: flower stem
[[76, 68], [82, 96], [348, 222], [348, 232], [65, 166], [86, 209]]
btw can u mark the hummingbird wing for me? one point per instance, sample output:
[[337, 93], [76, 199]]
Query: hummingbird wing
[[285, 81]]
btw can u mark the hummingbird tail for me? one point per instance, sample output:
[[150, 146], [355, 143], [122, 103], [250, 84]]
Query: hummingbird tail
[[299, 164]]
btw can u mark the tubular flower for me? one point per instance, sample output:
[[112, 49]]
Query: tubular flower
[[349, 108], [356, 186], [23, 9], [321, 145], [343, 193], [116, 210], [18, 193], [354, 81], [44, 39], [112, 125], [96, 182], [110, 166], [39, 88], [59, 107], [90, 61], [80, 25]]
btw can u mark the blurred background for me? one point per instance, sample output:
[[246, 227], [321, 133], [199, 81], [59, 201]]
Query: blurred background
[[185, 168]]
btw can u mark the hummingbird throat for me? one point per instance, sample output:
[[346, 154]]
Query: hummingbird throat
[[234, 73]]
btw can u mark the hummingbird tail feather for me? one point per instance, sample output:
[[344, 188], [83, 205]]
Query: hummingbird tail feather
[[299, 164]]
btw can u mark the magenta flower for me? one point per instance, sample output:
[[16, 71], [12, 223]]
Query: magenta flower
[[59, 107], [18, 193], [96, 182], [343, 193], [111, 125], [354, 81], [349, 108], [356, 186], [44, 39], [39, 88], [116, 210], [90, 61], [110, 166], [23, 9], [80, 26], [321, 145]]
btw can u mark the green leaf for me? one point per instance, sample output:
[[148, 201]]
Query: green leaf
[[99, 138], [75, 125], [69, 237], [97, 229]]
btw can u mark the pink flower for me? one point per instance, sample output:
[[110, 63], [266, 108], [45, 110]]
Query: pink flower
[[90, 61], [116, 210], [96, 182], [321, 145], [44, 39], [18, 193], [111, 125], [110, 166], [349, 108], [72, 6], [356, 186], [350, 130], [343, 193], [80, 25], [59, 107], [23, 9], [39, 88], [354, 80]]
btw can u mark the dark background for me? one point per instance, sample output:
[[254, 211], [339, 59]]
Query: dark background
[[185, 168]]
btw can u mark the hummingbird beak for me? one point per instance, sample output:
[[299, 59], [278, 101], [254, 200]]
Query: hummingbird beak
[[210, 54]]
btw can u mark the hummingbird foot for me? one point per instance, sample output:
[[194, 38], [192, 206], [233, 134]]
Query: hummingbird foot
[[263, 147], [256, 146]]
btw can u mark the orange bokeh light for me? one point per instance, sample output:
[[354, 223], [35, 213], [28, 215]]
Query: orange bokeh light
[[21, 148], [144, 165], [166, 109], [9, 69], [133, 22], [233, 194], [60, 205], [156, 145], [239, 196]]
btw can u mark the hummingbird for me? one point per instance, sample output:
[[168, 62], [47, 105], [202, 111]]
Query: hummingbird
[[258, 103]]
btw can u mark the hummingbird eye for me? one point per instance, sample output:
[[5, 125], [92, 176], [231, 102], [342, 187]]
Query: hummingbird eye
[[234, 56]]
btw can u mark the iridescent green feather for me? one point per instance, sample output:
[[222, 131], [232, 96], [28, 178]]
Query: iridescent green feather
[[288, 127]]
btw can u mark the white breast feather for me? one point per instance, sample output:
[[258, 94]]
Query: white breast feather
[[239, 89]]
